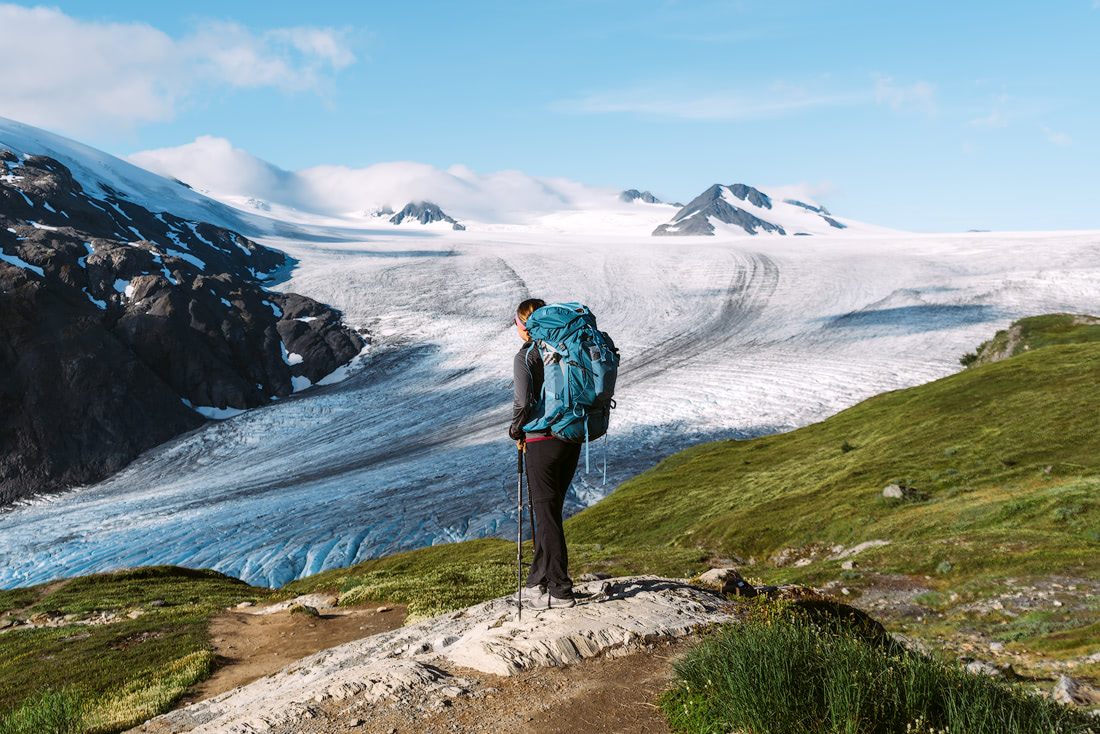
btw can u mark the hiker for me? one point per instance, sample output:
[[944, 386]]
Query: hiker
[[551, 463]]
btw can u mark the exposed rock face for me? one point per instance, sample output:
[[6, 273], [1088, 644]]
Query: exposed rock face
[[748, 193], [809, 207], [424, 212], [634, 195], [694, 219], [112, 316]]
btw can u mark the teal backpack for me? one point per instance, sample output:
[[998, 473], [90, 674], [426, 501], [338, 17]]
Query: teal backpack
[[580, 364]]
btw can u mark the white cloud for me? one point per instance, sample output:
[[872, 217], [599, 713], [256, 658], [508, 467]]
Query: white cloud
[[807, 193], [920, 95], [75, 75], [730, 105], [1055, 137], [214, 166], [998, 117]]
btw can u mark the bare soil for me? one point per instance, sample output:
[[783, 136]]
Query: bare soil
[[249, 646]]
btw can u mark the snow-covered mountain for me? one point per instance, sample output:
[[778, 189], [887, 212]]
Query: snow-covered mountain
[[742, 209], [721, 337], [495, 201], [424, 212]]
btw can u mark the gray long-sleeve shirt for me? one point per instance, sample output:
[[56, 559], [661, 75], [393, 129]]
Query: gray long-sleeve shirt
[[527, 372]]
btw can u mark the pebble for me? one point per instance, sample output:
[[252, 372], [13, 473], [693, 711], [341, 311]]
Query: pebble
[[383, 609]]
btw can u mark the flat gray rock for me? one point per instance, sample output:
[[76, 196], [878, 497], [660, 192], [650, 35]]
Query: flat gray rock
[[618, 618]]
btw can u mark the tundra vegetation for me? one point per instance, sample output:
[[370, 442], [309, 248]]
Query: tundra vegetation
[[998, 466]]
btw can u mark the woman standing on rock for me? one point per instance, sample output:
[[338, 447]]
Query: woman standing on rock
[[551, 464]]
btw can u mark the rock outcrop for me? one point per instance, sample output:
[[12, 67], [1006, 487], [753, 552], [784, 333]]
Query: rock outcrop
[[619, 617], [1035, 332], [116, 321]]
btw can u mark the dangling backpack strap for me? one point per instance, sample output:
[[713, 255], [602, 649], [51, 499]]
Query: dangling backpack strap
[[605, 458], [587, 445]]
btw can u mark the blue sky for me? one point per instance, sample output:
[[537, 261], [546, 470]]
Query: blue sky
[[927, 116]]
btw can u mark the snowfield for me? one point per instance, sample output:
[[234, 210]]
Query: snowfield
[[720, 337]]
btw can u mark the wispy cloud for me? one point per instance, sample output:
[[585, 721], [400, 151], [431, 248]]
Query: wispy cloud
[[1058, 138], [998, 117], [663, 100], [919, 96], [110, 75]]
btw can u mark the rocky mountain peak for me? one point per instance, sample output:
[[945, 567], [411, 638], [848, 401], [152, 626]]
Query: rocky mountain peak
[[634, 195], [694, 218], [424, 212]]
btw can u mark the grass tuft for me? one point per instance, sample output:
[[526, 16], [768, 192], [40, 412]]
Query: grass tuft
[[783, 674], [46, 711]]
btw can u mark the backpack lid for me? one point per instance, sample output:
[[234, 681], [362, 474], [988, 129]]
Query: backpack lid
[[554, 322]]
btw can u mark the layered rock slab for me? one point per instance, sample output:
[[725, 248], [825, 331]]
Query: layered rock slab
[[617, 618]]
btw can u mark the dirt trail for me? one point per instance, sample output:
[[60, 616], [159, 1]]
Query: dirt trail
[[249, 645]]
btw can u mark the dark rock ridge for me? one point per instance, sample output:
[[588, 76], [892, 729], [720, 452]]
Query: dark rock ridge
[[694, 219], [809, 207], [424, 212], [817, 210], [114, 320], [634, 195], [748, 193]]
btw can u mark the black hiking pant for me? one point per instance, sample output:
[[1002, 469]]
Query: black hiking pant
[[551, 464]]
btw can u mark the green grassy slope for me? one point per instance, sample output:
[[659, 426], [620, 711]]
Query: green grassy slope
[[130, 669], [1001, 456]]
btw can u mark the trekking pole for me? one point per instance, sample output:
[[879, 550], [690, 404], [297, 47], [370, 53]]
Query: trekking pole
[[519, 536]]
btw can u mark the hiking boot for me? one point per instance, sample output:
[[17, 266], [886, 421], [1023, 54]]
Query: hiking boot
[[529, 592], [549, 601]]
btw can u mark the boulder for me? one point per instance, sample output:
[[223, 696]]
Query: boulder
[[717, 576], [1075, 692]]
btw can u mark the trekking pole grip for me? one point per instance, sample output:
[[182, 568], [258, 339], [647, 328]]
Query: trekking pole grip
[[519, 461]]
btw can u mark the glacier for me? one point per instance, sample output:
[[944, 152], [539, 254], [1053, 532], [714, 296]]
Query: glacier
[[721, 338], [724, 337]]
